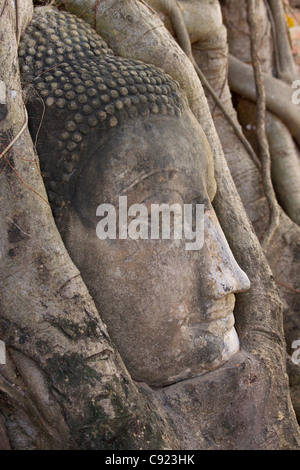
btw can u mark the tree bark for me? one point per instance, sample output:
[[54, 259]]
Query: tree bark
[[64, 385]]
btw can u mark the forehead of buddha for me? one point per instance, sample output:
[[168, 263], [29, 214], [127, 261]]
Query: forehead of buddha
[[79, 95]]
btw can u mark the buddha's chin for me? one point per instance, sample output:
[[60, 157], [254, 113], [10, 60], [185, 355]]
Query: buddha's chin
[[231, 344], [227, 344], [205, 347]]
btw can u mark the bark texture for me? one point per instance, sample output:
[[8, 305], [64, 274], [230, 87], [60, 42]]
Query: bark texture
[[258, 327], [64, 385]]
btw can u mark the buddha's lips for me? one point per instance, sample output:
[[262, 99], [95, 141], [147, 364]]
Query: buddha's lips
[[222, 309], [216, 327], [222, 325]]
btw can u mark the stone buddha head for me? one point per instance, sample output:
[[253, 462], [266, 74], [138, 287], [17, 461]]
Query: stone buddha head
[[114, 127]]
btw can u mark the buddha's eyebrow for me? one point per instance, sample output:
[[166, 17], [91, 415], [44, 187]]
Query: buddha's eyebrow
[[156, 194], [148, 175]]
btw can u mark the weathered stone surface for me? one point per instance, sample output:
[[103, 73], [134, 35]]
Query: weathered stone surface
[[204, 408], [77, 85], [109, 125]]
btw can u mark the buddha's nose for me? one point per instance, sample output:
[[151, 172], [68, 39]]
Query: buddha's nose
[[226, 276]]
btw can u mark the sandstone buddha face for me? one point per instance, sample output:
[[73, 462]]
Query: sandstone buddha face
[[114, 127], [169, 310]]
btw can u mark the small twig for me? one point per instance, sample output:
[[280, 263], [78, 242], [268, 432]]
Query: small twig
[[148, 6], [17, 21], [43, 72], [17, 136], [288, 287], [25, 184], [221, 93], [3, 9], [30, 160], [96, 11], [261, 127], [25, 233], [43, 114], [98, 325]]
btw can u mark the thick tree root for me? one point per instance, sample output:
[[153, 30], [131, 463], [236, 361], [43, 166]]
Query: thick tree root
[[286, 67], [231, 121], [278, 94], [285, 166], [258, 314], [261, 126]]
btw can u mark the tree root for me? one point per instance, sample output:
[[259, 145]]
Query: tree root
[[285, 64], [11, 144], [261, 128], [285, 167], [278, 94], [220, 105], [175, 15], [171, 8]]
